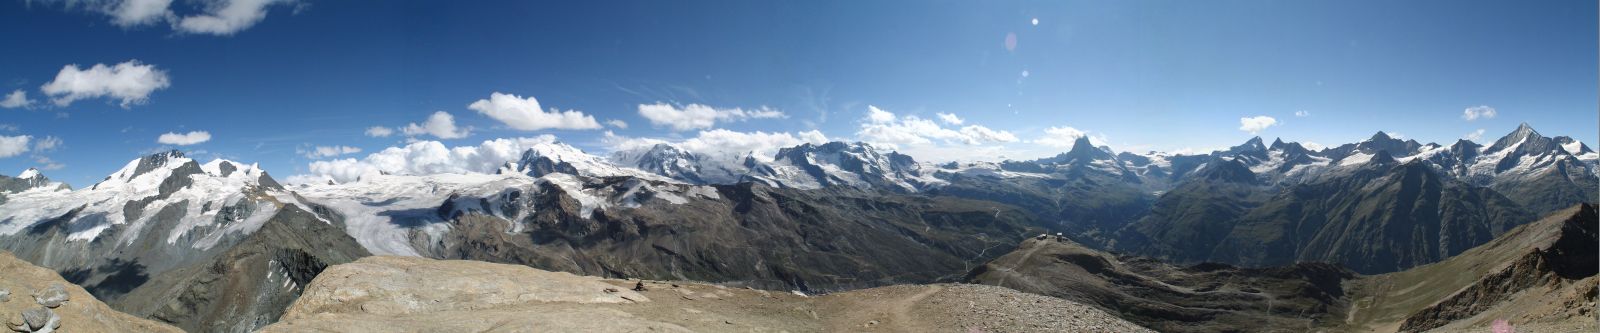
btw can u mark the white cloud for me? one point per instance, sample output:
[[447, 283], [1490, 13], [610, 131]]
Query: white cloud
[[226, 17], [1312, 145], [725, 144], [1256, 124], [45, 163], [127, 13], [1475, 135], [949, 118], [1302, 113], [618, 123], [214, 17], [328, 151], [1065, 137], [47, 143], [16, 99], [525, 114], [13, 145], [882, 128], [440, 125], [876, 115], [184, 139], [975, 134], [379, 132], [131, 82], [423, 158], [1481, 111], [700, 116]]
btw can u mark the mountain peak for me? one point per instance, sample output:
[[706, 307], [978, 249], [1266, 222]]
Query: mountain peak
[[1255, 142], [1382, 157], [30, 173], [1523, 133], [1381, 136], [1524, 127], [1227, 170]]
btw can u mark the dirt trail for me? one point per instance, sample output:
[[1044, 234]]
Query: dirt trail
[[1011, 270], [901, 310]]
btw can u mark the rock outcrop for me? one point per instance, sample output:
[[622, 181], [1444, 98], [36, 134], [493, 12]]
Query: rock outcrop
[[35, 299]]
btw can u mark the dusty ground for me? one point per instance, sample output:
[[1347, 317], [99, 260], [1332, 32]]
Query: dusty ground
[[365, 304]]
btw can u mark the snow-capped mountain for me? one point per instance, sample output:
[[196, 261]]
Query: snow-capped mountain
[[807, 166], [556, 157], [28, 180], [196, 204], [857, 165], [672, 161], [409, 214]]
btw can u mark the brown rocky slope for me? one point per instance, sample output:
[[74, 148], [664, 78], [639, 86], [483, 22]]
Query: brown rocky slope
[[404, 294]]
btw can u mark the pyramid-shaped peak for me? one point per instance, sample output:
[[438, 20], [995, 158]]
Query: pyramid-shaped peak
[[1381, 136], [29, 174], [1255, 142]]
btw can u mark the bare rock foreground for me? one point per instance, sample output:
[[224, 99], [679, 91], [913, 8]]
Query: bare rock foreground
[[35, 299], [402, 294]]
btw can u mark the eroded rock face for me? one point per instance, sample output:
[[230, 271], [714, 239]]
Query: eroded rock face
[[58, 305]]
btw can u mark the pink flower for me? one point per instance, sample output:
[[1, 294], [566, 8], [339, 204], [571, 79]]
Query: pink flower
[[1501, 326]]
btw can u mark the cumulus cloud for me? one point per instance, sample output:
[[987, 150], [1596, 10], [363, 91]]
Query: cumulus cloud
[[1302, 113], [131, 82], [618, 123], [883, 128], [876, 115], [1481, 111], [13, 145], [699, 116], [379, 132], [16, 99], [1065, 136], [214, 17], [1474, 135], [127, 13], [1256, 124], [525, 114], [226, 17], [47, 143], [184, 139], [722, 143], [423, 158], [949, 118], [328, 151], [440, 125]]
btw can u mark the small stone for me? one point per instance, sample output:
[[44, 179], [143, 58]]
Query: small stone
[[612, 290], [5, 295], [639, 286], [52, 296], [729, 322], [36, 318]]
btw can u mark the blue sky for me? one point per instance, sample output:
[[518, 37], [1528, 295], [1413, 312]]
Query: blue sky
[[1137, 75]]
